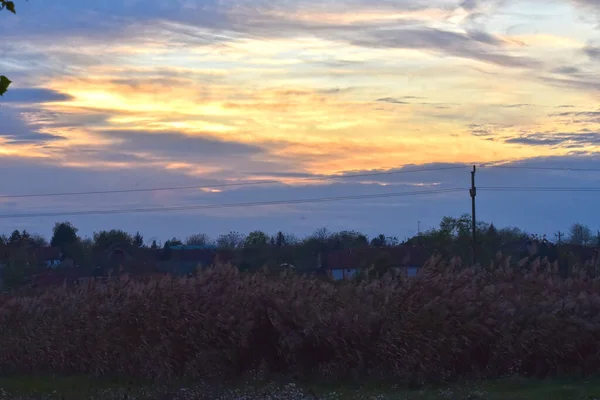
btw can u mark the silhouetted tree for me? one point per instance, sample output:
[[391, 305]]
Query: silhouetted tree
[[280, 239], [379, 241], [256, 239], [230, 241], [104, 239], [15, 238], [172, 242], [138, 240], [580, 234], [199, 239], [64, 235]]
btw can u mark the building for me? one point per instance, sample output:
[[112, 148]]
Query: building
[[185, 260], [348, 263], [50, 257]]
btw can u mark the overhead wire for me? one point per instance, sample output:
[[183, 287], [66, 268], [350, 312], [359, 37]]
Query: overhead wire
[[223, 185], [539, 168], [230, 205]]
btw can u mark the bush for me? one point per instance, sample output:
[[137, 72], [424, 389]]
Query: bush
[[441, 325]]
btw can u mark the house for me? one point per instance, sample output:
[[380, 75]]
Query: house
[[50, 257], [185, 260], [348, 263]]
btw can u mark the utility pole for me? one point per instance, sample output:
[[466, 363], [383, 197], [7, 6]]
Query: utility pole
[[418, 228], [559, 236], [473, 193]]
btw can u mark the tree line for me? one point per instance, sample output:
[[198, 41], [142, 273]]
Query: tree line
[[451, 238]]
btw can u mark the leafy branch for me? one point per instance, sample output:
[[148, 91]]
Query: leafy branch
[[4, 81]]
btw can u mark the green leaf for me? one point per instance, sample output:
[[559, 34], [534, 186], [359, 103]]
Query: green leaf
[[4, 84], [10, 6]]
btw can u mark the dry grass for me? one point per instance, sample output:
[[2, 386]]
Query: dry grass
[[442, 325]]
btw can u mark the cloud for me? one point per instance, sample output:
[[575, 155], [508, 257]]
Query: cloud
[[592, 52], [177, 144], [392, 100], [516, 105], [451, 43], [34, 95], [555, 139], [15, 130], [583, 84], [580, 116], [566, 70]]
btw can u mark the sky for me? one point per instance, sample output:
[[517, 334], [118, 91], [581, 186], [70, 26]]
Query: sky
[[125, 95]]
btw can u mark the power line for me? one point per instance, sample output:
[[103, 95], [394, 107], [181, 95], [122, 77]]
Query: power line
[[222, 185], [538, 189], [230, 205], [542, 168]]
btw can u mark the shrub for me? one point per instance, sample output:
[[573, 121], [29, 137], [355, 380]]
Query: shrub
[[443, 324]]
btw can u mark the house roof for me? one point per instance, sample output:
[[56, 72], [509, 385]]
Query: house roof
[[361, 257], [48, 253]]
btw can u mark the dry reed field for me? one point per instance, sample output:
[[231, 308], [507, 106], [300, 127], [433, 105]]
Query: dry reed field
[[445, 324]]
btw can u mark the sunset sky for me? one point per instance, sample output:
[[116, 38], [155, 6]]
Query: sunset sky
[[131, 94]]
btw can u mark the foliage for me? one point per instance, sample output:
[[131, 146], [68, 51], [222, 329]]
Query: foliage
[[4, 81], [580, 234], [199, 239], [256, 239], [64, 235], [230, 241], [172, 242], [138, 240], [105, 239], [18, 268], [441, 325]]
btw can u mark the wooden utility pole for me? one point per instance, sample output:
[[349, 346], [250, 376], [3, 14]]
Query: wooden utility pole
[[473, 193], [559, 236]]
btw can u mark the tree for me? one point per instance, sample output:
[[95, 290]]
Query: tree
[[104, 239], [280, 239], [15, 238], [4, 81], [64, 234], [172, 242], [347, 240], [199, 239], [580, 234], [379, 241], [39, 240], [154, 245], [256, 239], [138, 240], [321, 234], [230, 241]]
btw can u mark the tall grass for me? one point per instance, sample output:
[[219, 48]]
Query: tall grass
[[443, 324]]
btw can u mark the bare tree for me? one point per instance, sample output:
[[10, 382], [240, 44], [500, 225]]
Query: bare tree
[[580, 234], [199, 239]]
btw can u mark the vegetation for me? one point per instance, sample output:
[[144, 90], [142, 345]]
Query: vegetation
[[4, 81], [444, 325], [76, 388], [19, 250]]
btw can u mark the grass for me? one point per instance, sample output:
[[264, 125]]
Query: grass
[[71, 388]]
